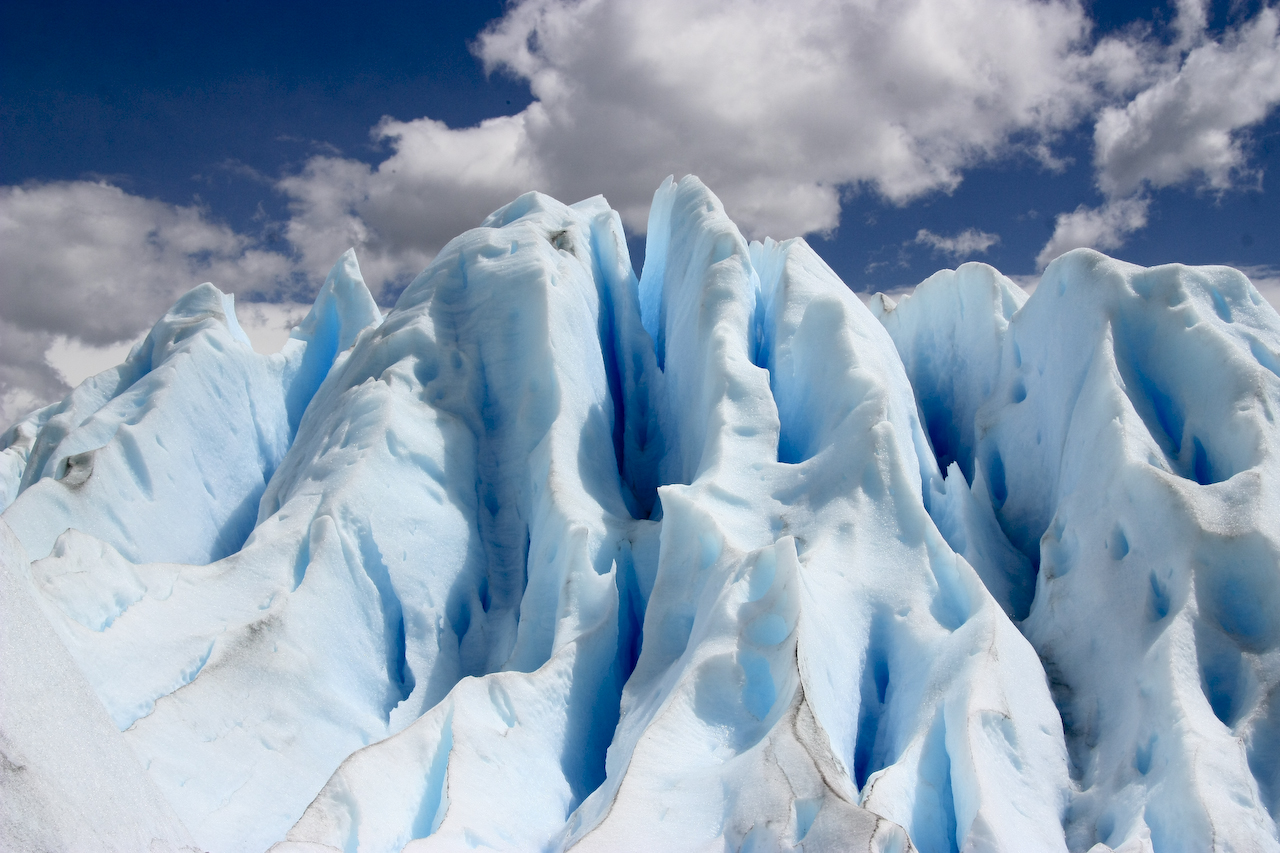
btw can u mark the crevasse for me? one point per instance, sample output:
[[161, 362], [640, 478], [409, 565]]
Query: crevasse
[[554, 558]]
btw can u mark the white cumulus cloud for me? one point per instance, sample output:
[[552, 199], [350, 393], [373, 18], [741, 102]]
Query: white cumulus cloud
[[1188, 126], [1103, 228], [783, 107], [967, 243]]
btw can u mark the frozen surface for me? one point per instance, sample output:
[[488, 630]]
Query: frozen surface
[[68, 780], [1121, 425], [719, 559]]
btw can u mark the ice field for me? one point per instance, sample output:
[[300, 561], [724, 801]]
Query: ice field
[[552, 558]]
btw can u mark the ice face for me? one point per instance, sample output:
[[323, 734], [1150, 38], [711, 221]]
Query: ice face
[[1121, 426], [552, 558]]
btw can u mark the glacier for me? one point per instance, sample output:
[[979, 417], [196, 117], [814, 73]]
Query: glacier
[[550, 557]]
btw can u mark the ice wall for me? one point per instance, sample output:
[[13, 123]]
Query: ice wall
[[1121, 426], [552, 558]]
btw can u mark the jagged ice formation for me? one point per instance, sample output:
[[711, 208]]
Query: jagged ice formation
[[550, 558]]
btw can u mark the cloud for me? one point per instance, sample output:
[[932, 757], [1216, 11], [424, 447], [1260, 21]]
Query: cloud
[[815, 94], [27, 380], [967, 243], [89, 262], [94, 262], [785, 108], [1187, 125], [1103, 228]]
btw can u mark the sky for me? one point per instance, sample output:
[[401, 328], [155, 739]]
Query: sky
[[148, 147]]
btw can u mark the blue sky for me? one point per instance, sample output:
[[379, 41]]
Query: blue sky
[[146, 147]]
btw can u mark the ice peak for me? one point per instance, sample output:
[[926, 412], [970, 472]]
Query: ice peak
[[343, 307]]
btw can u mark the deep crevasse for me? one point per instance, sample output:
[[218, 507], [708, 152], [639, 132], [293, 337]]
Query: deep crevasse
[[554, 558]]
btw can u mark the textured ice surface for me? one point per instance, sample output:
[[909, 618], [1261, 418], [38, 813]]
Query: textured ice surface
[[68, 781], [552, 558], [1122, 426]]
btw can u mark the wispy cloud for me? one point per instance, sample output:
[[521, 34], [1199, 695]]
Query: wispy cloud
[[966, 244]]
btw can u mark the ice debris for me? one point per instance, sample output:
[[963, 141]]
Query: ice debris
[[551, 558]]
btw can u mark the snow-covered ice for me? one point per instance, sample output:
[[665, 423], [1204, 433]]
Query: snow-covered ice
[[1121, 424], [554, 558]]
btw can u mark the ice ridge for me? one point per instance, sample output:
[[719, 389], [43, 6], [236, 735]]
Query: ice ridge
[[553, 558]]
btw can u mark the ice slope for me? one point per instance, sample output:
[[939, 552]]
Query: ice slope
[[165, 458], [67, 779], [1121, 428], [552, 558], [183, 436]]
